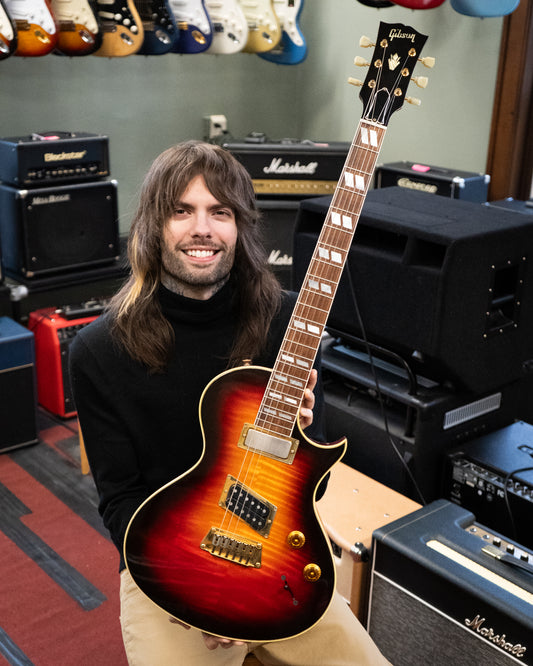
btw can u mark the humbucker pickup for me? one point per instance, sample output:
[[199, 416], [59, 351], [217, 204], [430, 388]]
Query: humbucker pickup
[[256, 511]]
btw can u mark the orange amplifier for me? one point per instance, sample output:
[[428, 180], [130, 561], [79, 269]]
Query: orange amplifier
[[353, 506], [54, 329]]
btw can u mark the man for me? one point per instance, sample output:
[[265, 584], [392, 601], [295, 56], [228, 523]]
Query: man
[[200, 299]]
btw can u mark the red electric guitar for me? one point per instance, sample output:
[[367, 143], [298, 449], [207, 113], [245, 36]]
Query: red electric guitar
[[234, 546]]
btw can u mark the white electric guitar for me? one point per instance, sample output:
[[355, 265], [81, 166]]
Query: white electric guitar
[[264, 29], [37, 31], [230, 27], [8, 33]]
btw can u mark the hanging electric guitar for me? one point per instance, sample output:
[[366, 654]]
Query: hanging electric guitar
[[160, 30], [195, 31], [264, 29], [230, 27], [8, 33], [234, 546], [485, 8], [419, 4], [122, 28], [79, 29], [292, 48], [37, 31]]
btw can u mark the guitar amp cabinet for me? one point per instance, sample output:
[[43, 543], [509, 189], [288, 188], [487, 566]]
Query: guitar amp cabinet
[[54, 329], [492, 476], [38, 160], [445, 589]]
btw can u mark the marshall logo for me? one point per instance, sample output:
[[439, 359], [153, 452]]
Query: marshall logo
[[396, 33], [500, 640], [277, 166], [277, 259], [52, 198], [62, 157], [413, 185]]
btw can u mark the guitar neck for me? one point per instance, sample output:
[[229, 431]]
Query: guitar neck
[[284, 393]]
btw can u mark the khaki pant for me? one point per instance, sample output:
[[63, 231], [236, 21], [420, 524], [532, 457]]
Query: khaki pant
[[150, 639]]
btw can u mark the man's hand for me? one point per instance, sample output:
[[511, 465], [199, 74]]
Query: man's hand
[[306, 410], [211, 642]]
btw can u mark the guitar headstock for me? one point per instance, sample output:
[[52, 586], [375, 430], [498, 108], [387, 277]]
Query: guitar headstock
[[396, 52]]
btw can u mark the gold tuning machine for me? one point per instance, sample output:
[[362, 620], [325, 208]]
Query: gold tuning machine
[[420, 81], [413, 100], [361, 62], [365, 42], [427, 62], [355, 82]]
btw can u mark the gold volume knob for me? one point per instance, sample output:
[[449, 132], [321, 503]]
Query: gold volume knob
[[312, 572], [296, 539]]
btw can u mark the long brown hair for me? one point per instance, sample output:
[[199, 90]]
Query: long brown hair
[[138, 322]]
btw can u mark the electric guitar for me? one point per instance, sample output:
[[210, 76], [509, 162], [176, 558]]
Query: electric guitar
[[37, 32], [160, 30], [264, 29], [230, 27], [419, 4], [79, 29], [485, 8], [8, 33], [292, 48], [234, 546], [122, 28], [194, 26]]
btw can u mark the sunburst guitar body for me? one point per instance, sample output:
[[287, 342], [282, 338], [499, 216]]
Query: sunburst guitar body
[[264, 29], [37, 30], [122, 28], [79, 28], [195, 32], [160, 31], [234, 546], [8, 33], [230, 27]]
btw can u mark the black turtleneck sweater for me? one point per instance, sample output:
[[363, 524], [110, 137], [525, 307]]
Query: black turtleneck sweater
[[140, 429]]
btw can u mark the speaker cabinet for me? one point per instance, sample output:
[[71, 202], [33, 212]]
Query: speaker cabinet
[[18, 394], [447, 284], [440, 595], [279, 219], [46, 231]]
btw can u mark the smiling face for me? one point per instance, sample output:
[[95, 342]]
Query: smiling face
[[198, 243]]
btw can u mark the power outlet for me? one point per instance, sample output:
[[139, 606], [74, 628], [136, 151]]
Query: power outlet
[[215, 126]]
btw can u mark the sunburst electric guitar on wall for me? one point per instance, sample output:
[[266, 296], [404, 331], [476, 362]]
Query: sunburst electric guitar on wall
[[37, 30], [79, 29], [235, 546]]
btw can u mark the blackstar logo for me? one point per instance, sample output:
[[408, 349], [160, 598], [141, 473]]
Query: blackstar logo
[[62, 157], [52, 198], [413, 185], [396, 33], [276, 166], [500, 640], [277, 259]]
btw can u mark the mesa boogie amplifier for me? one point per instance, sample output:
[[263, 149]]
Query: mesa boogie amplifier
[[447, 590], [53, 157], [492, 476], [54, 329], [291, 167]]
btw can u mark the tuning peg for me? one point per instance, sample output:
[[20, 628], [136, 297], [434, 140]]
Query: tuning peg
[[420, 81], [365, 42], [427, 62], [413, 100], [361, 62], [355, 82]]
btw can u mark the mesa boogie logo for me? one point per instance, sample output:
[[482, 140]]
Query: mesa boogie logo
[[50, 199], [62, 157], [500, 640], [413, 185], [278, 166]]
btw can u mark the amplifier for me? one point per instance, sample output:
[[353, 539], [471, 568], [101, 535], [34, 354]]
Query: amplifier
[[18, 392], [51, 157], [54, 329], [447, 590], [45, 231], [492, 476], [291, 167], [434, 180]]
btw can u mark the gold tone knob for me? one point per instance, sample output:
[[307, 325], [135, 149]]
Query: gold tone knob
[[312, 572], [296, 539]]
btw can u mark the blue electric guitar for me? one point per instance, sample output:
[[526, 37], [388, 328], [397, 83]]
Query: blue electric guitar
[[485, 8], [195, 31], [160, 31], [292, 48]]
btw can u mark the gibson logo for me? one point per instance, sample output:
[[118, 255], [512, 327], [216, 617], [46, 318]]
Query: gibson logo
[[476, 624], [396, 33], [276, 166], [413, 185], [61, 157], [53, 198]]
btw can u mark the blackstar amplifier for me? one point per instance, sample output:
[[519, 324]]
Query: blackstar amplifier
[[46, 231], [54, 330], [291, 167], [18, 390], [492, 476], [42, 159], [434, 180], [446, 590]]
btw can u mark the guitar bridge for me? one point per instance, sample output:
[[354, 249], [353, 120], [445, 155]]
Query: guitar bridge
[[224, 544], [255, 510]]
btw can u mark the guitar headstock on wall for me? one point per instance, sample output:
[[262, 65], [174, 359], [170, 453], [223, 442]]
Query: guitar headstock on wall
[[396, 52]]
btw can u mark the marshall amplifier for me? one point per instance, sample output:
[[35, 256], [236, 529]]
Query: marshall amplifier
[[492, 476], [18, 391], [54, 331], [47, 231], [45, 159], [447, 590], [434, 180]]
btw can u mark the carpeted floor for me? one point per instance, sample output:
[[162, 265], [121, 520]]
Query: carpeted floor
[[58, 569]]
